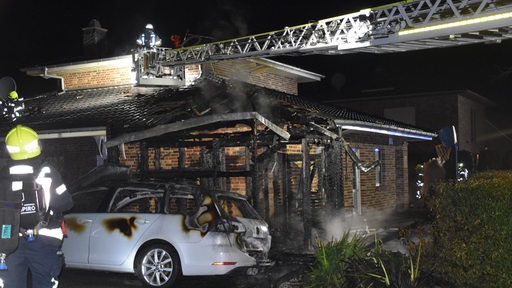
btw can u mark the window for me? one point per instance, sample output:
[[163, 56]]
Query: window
[[473, 126], [378, 168]]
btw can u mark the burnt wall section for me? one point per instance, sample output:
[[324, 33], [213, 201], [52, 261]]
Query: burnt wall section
[[296, 185]]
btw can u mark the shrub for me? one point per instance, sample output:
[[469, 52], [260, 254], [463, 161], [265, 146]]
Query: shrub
[[350, 262], [336, 262], [394, 269], [473, 231]]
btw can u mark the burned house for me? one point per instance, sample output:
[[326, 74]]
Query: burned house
[[239, 125]]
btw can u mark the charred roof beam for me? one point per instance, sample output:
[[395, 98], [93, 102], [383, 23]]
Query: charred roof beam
[[196, 123]]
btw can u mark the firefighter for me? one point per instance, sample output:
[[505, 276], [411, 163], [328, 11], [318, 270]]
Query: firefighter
[[44, 199], [12, 106], [176, 41], [149, 40]]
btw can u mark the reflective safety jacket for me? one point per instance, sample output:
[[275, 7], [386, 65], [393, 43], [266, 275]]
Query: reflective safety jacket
[[44, 197], [149, 40]]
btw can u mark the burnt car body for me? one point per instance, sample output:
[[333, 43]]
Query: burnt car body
[[160, 231]]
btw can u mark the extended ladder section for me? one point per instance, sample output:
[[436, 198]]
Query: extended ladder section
[[398, 27]]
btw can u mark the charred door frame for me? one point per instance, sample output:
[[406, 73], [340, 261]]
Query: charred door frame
[[327, 166]]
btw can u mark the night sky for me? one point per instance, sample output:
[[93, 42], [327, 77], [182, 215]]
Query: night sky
[[35, 33]]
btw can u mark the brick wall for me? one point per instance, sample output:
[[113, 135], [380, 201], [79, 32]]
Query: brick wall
[[169, 159], [391, 193], [103, 77], [403, 199], [111, 72], [119, 72], [232, 70]]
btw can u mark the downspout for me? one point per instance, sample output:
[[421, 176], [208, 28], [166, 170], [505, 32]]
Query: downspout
[[48, 76]]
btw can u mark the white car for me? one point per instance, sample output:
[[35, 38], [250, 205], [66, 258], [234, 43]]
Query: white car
[[160, 231]]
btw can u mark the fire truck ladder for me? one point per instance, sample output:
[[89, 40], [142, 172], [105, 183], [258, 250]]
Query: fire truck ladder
[[398, 27]]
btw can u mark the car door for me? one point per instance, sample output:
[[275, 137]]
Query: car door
[[79, 222], [114, 235], [76, 244]]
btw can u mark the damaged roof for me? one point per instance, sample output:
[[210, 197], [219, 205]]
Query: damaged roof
[[126, 109]]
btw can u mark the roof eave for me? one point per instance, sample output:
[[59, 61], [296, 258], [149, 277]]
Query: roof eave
[[385, 129], [301, 75]]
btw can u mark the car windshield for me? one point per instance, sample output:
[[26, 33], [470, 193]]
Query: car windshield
[[237, 207]]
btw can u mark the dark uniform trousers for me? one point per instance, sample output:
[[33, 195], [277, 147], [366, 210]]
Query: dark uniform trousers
[[42, 255]]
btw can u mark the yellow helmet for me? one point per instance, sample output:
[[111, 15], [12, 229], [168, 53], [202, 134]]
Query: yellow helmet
[[13, 95], [22, 143]]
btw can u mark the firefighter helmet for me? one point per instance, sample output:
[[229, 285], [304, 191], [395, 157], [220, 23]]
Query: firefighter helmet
[[22, 143], [149, 26], [13, 95]]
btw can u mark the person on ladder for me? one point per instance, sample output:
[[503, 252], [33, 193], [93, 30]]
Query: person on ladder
[[148, 41], [44, 199]]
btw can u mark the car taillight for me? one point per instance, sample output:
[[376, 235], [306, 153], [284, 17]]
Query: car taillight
[[224, 263], [231, 226]]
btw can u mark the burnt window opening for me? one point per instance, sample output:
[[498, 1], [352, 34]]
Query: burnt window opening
[[137, 201], [182, 205], [141, 205]]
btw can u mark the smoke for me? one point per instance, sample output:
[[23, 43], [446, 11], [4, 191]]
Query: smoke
[[239, 101], [226, 20], [333, 225], [338, 80], [263, 104]]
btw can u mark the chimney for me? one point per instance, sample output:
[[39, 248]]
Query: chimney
[[94, 40]]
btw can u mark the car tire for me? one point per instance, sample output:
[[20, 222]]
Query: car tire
[[158, 265]]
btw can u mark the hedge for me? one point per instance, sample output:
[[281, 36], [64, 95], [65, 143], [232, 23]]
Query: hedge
[[473, 230]]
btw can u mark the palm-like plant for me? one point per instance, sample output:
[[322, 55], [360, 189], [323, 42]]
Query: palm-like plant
[[336, 262]]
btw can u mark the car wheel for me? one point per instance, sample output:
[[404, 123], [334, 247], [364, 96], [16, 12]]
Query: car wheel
[[157, 266]]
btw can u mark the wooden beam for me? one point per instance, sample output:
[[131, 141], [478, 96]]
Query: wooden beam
[[195, 123]]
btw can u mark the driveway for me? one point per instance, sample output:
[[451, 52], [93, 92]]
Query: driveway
[[281, 275]]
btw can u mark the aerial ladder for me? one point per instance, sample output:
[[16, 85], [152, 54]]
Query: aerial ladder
[[398, 27]]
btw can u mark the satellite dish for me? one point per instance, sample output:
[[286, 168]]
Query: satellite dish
[[448, 136], [7, 84]]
